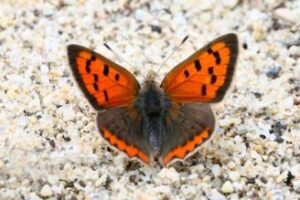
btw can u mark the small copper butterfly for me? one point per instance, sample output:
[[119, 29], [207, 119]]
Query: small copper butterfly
[[162, 122]]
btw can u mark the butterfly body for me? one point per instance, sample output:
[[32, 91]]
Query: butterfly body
[[162, 122], [153, 106]]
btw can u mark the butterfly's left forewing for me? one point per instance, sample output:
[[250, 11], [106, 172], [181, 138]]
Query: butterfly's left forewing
[[104, 83], [206, 75]]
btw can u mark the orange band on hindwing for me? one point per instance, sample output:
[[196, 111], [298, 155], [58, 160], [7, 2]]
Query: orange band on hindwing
[[181, 151], [130, 150]]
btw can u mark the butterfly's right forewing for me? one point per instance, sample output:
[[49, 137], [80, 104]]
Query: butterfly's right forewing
[[206, 75]]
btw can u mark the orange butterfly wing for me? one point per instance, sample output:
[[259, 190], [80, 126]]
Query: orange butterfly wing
[[206, 75], [108, 85], [104, 83]]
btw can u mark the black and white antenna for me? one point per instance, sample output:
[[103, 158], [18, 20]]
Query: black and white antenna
[[116, 54]]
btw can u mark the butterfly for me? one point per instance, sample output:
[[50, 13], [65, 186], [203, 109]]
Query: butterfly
[[157, 122]]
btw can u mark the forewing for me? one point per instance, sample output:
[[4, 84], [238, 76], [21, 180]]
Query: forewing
[[104, 83], [188, 126], [122, 128], [206, 75]]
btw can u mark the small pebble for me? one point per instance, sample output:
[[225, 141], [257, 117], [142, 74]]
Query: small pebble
[[155, 28], [216, 170], [46, 191], [169, 175], [234, 175], [286, 14], [67, 113], [295, 50], [230, 3], [282, 177], [142, 15], [273, 72], [179, 19], [289, 178], [215, 195], [101, 181], [227, 187], [296, 185]]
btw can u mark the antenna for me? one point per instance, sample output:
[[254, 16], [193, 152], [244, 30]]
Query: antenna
[[120, 57], [109, 48], [175, 49]]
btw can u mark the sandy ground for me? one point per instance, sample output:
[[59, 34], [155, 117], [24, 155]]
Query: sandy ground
[[50, 147]]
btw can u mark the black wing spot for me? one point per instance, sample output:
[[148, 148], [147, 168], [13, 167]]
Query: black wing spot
[[209, 50], [88, 66], [96, 78], [197, 65], [211, 70], [88, 63], [96, 86], [217, 57], [213, 79], [117, 77], [106, 70], [105, 95], [186, 73], [93, 57], [203, 90]]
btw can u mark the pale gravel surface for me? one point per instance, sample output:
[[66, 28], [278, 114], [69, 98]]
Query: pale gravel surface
[[49, 144]]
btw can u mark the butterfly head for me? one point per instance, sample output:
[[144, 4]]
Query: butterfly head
[[151, 78]]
